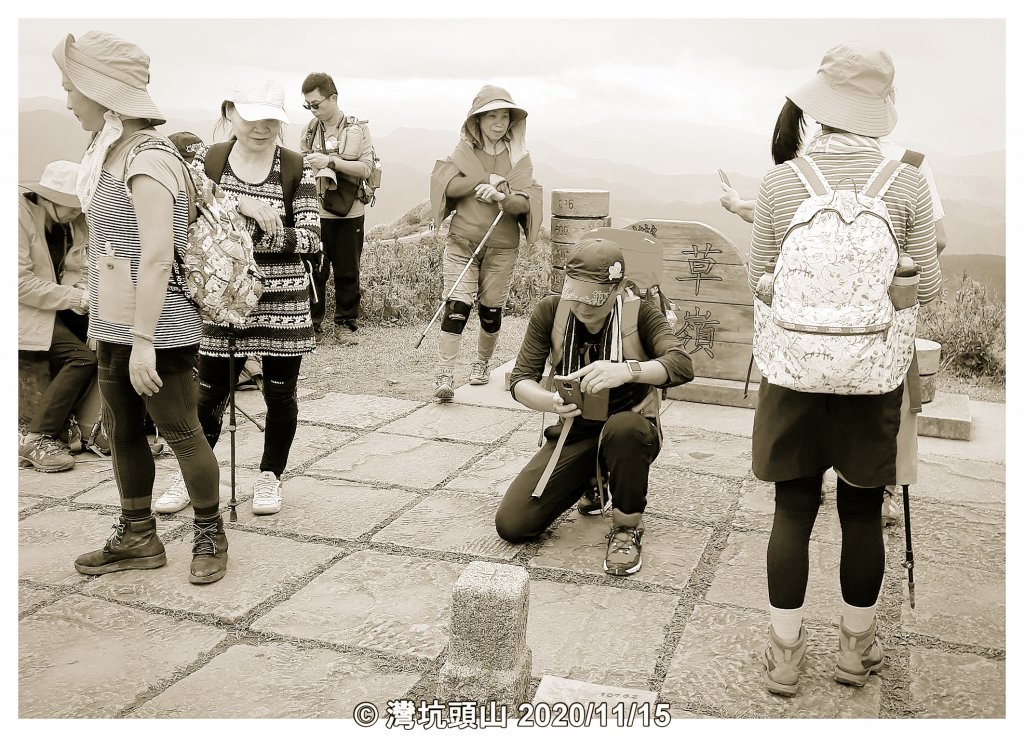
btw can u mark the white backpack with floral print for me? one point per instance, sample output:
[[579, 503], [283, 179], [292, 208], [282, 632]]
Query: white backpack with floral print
[[831, 326]]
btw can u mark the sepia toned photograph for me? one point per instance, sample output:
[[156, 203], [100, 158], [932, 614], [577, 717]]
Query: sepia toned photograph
[[465, 373]]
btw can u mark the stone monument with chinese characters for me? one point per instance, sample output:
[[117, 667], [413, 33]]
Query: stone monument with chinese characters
[[706, 278]]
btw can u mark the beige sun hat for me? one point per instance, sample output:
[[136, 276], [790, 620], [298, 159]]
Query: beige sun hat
[[111, 71], [852, 91], [57, 183]]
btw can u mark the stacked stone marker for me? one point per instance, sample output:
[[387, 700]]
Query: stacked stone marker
[[573, 213], [488, 659]]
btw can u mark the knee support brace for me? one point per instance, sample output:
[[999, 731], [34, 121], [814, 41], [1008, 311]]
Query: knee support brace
[[455, 315], [490, 318]]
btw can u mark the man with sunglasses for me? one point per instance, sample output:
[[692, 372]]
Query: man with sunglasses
[[342, 145]]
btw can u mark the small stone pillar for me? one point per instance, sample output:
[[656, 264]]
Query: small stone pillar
[[573, 213], [928, 354], [488, 659]]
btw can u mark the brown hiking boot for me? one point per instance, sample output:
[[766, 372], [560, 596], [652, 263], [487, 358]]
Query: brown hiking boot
[[623, 556], [134, 545], [860, 655], [782, 663], [45, 454], [209, 551]]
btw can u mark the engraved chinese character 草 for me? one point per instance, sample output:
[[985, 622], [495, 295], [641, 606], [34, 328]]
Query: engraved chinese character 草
[[701, 265]]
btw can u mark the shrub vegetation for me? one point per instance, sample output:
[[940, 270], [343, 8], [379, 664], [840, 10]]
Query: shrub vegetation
[[971, 326]]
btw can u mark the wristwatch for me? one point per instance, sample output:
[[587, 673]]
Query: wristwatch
[[634, 369]]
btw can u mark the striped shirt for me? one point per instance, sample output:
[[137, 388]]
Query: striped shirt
[[844, 156], [281, 324], [113, 225]]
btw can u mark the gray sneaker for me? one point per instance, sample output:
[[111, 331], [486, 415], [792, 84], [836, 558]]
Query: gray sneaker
[[45, 454], [444, 386], [479, 373]]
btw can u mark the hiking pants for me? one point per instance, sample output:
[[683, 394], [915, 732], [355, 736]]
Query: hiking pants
[[280, 383], [73, 367], [173, 409], [342, 239], [628, 448]]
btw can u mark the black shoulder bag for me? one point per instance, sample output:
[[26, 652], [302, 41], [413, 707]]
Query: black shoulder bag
[[339, 200]]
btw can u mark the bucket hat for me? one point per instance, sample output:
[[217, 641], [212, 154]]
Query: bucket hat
[[264, 101], [852, 90], [57, 183], [491, 97], [111, 71]]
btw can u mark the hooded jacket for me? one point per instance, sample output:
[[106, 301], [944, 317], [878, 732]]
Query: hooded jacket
[[40, 292], [463, 161]]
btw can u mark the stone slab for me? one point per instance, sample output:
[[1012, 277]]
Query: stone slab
[[389, 603], [84, 658], [526, 437], [741, 577], [961, 481], [354, 410], [681, 493], [555, 690], [106, 493], [956, 685], [928, 355], [259, 567], [65, 484], [49, 541], [727, 420], [27, 502], [292, 683], [724, 392], [699, 450], [946, 416], [489, 612], [455, 523], [28, 598], [988, 436], [396, 459], [957, 604], [492, 474], [328, 508], [457, 422], [310, 441], [974, 538], [492, 394], [671, 550], [577, 631], [718, 664]]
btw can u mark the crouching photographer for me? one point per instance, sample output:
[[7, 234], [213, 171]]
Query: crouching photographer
[[613, 343]]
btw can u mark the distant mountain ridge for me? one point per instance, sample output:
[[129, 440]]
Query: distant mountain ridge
[[973, 187]]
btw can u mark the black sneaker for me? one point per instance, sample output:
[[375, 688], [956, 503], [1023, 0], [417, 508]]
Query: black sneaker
[[590, 505], [623, 556]]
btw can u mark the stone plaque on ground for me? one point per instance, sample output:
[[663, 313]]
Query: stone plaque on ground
[[707, 279], [553, 690]]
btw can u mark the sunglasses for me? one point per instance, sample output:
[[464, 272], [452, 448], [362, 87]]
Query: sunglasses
[[315, 105]]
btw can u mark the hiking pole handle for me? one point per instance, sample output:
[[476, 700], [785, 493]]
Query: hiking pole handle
[[455, 285]]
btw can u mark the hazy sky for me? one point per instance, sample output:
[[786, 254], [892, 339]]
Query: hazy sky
[[950, 74]]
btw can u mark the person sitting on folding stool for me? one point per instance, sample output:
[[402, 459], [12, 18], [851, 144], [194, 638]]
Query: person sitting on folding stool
[[596, 332]]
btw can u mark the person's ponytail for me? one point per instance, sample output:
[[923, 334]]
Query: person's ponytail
[[789, 133]]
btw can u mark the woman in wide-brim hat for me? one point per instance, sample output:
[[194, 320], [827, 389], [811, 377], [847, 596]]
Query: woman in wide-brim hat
[[799, 435], [147, 331], [489, 172]]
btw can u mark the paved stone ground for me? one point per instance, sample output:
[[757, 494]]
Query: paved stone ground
[[344, 596]]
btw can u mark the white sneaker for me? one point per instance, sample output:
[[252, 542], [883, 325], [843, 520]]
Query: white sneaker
[[266, 494], [175, 498], [479, 373]]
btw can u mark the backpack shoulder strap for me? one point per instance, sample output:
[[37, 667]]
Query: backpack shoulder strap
[[216, 159], [809, 174], [914, 158], [558, 328], [291, 175], [882, 178]]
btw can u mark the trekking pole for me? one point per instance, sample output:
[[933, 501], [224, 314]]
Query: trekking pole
[[909, 564], [231, 420], [451, 291]]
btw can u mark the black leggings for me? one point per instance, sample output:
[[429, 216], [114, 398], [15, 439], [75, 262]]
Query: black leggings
[[280, 380], [862, 560], [173, 409]]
